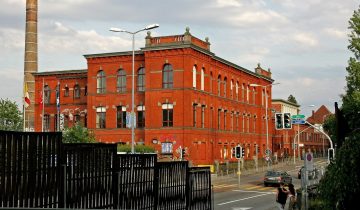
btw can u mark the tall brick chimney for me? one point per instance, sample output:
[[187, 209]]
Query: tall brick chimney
[[31, 60]]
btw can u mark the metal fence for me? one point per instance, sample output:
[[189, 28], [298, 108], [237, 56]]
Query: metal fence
[[38, 171], [29, 176]]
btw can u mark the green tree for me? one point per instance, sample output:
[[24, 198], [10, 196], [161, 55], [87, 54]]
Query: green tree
[[292, 99], [351, 99], [340, 186], [10, 116], [78, 134]]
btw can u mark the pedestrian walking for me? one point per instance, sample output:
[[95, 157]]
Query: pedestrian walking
[[281, 196], [292, 197]]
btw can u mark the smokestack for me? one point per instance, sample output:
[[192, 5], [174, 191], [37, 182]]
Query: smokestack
[[31, 60]]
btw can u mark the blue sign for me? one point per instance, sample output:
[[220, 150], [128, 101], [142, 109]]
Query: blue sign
[[298, 121]]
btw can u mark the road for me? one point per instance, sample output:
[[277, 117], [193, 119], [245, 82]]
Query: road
[[252, 194]]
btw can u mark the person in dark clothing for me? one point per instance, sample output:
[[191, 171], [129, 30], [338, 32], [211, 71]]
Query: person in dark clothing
[[292, 197], [281, 196]]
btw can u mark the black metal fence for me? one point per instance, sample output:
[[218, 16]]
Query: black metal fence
[[38, 171]]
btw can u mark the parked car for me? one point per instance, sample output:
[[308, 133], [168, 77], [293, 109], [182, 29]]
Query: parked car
[[276, 178]]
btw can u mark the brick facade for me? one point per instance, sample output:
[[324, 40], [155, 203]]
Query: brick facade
[[235, 116]]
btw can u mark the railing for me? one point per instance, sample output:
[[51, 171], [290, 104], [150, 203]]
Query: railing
[[38, 171]]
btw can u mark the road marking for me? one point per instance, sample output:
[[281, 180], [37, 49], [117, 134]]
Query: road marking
[[241, 208], [233, 201], [262, 192]]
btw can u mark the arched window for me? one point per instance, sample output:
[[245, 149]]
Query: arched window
[[100, 82], [167, 76], [211, 82], [76, 91], [243, 92], [202, 78], [121, 81], [225, 84], [219, 84], [231, 88], [66, 91], [141, 79], [237, 91], [194, 76], [247, 93], [47, 93]]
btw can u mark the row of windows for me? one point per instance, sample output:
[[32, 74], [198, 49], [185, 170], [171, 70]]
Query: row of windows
[[234, 86], [248, 123], [121, 80], [168, 81], [76, 118], [76, 92]]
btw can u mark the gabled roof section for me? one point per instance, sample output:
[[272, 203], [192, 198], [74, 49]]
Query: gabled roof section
[[319, 116]]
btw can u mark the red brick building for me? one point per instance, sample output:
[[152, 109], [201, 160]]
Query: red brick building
[[185, 96], [307, 137]]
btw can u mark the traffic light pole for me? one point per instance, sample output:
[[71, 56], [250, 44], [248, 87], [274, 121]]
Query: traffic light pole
[[239, 172], [267, 125]]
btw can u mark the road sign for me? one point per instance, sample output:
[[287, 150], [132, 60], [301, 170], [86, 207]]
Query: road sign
[[309, 161], [298, 116], [298, 121]]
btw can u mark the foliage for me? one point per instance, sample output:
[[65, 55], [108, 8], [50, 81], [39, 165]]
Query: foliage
[[330, 127], [78, 134], [351, 100], [138, 148], [340, 186], [10, 116], [292, 99]]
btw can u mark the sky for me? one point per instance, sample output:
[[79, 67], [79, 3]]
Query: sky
[[304, 43]]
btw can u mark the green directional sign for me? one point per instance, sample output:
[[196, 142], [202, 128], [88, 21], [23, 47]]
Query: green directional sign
[[299, 116]]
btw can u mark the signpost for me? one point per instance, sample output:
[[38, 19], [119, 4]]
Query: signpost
[[298, 119]]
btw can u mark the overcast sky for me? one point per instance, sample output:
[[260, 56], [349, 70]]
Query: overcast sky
[[304, 43]]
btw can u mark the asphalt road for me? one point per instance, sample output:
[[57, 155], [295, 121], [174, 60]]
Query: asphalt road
[[251, 194]]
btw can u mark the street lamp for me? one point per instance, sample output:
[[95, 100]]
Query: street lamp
[[149, 27], [266, 114]]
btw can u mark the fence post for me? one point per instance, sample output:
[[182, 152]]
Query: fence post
[[156, 184]]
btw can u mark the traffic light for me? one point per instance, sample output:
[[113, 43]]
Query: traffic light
[[258, 149], [287, 121], [279, 123], [331, 155], [183, 153], [238, 152], [233, 151], [242, 152]]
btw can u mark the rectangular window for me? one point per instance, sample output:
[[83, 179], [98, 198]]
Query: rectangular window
[[167, 115], [243, 123], [232, 121], [237, 122], [219, 118], [46, 122], [100, 117], [167, 148], [121, 117], [141, 116], [211, 118], [254, 125], [194, 115], [203, 116], [225, 112]]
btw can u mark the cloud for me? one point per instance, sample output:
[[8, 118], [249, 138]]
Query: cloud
[[228, 3], [336, 33], [305, 39]]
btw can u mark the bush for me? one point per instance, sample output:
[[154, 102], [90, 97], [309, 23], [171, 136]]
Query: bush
[[138, 148]]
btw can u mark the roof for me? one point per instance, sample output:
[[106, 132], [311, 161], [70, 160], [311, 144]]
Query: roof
[[60, 72], [285, 102], [319, 116]]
